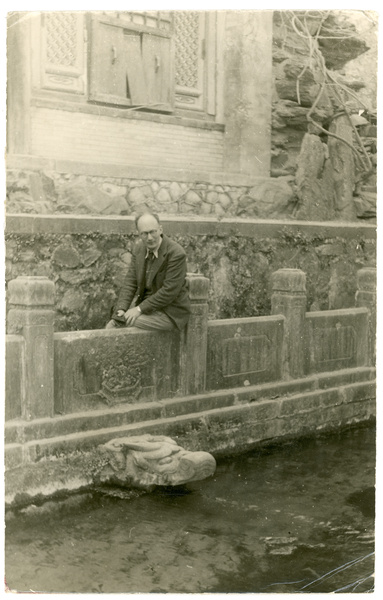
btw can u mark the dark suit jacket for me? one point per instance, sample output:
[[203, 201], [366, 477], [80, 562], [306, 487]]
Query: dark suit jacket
[[167, 279]]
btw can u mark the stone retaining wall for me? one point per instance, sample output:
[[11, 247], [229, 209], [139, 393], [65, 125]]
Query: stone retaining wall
[[87, 258]]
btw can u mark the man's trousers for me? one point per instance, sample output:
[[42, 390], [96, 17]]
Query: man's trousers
[[154, 321]]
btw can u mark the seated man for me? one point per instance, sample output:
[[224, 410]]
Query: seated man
[[156, 281]]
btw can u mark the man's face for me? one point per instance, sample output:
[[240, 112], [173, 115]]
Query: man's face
[[149, 231]]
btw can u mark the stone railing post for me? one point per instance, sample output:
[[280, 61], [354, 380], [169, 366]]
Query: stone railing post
[[194, 338], [366, 296], [289, 299], [31, 315]]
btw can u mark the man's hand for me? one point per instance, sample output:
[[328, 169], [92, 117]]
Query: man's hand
[[131, 315]]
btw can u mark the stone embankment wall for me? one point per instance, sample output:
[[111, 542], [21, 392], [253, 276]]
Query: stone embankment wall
[[87, 259]]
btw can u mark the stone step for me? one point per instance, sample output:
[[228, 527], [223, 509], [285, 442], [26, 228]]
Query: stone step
[[18, 431], [263, 407]]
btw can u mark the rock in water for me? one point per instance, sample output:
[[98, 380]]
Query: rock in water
[[147, 461]]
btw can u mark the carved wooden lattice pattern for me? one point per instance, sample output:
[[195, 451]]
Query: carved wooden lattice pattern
[[186, 27], [61, 38]]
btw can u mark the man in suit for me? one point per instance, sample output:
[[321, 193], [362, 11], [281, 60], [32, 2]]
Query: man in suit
[[154, 294]]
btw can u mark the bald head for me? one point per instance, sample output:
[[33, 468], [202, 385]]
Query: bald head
[[147, 218], [149, 229]]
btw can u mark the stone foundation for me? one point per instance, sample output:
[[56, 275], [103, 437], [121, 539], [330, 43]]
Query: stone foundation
[[52, 192]]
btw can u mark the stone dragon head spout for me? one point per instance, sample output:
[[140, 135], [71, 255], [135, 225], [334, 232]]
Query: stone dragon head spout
[[147, 461]]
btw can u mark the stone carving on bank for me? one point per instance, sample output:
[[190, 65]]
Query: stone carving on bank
[[147, 461]]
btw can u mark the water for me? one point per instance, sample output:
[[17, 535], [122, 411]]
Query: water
[[297, 517]]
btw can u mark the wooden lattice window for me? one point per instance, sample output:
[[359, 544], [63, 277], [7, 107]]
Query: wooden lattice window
[[195, 57], [61, 60], [153, 60]]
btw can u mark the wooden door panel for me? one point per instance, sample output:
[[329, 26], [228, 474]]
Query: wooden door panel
[[135, 73], [107, 64], [157, 67]]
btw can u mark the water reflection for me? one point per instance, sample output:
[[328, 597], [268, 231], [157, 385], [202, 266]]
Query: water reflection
[[297, 517]]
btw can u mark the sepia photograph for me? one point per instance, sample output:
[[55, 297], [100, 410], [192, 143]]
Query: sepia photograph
[[190, 262]]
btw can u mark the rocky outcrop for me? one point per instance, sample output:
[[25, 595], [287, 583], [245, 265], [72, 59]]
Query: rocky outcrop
[[312, 135], [339, 40], [270, 199], [310, 176]]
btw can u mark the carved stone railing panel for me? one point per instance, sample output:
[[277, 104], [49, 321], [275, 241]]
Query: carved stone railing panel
[[336, 339], [110, 367], [244, 351]]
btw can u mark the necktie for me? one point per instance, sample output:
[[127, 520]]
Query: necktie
[[148, 265]]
